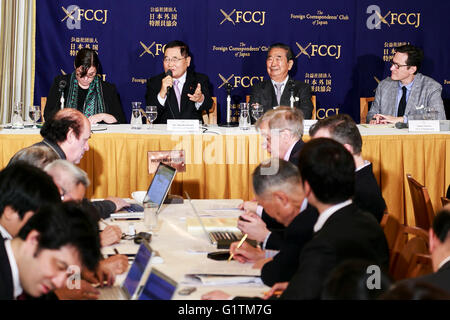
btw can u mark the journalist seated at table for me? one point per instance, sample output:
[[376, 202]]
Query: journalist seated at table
[[84, 90], [406, 92], [178, 92]]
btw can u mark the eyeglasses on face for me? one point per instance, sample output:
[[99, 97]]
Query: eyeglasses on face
[[173, 60], [397, 66]]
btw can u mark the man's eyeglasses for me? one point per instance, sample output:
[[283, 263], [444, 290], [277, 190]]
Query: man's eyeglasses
[[396, 65], [173, 60]]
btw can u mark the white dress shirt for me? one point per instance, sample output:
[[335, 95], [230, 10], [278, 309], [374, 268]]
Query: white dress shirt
[[323, 217], [181, 82], [14, 269], [5, 234]]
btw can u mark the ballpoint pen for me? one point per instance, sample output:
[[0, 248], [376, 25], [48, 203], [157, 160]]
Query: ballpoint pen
[[238, 246]]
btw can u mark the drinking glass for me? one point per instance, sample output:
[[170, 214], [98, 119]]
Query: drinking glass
[[152, 113], [16, 120], [257, 111], [151, 216], [244, 123], [136, 118], [34, 112]]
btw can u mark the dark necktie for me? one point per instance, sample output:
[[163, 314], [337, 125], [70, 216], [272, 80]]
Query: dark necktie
[[402, 103]]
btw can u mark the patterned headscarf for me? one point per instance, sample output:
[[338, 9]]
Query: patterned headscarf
[[94, 102]]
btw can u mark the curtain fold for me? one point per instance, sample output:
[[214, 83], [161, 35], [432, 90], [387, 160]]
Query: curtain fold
[[17, 55]]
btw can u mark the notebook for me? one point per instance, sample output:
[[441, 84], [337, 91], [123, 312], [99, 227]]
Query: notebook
[[156, 193], [137, 275], [158, 287], [223, 239]]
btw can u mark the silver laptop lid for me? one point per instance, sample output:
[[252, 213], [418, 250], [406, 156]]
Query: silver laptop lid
[[160, 185], [208, 236]]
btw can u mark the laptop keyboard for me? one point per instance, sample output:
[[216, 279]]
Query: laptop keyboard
[[111, 293], [231, 236], [134, 208]]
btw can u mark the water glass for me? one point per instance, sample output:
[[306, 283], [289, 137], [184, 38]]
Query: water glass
[[257, 111], [152, 113], [244, 119], [16, 120], [34, 112], [151, 216], [136, 117]]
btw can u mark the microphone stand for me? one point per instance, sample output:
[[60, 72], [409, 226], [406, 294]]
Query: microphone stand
[[291, 90], [228, 123]]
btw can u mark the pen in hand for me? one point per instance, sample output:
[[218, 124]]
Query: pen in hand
[[238, 246]]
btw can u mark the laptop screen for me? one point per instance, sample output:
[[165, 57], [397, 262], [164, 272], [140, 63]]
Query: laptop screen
[[158, 287], [137, 269], [160, 184]]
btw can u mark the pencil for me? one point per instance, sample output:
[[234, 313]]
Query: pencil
[[238, 246], [116, 251]]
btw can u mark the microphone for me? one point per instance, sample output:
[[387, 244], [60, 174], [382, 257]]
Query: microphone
[[401, 125], [291, 85], [62, 84], [169, 73]]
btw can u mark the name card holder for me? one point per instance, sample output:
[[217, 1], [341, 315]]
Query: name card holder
[[307, 124], [183, 125], [423, 126]]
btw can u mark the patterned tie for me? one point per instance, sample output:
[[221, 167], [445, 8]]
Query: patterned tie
[[177, 92], [402, 103], [278, 87]]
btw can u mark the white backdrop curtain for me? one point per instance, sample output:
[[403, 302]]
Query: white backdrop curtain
[[17, 52]]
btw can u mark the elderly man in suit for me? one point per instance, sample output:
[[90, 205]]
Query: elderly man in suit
[[398, 96], [178, 93], [281, 88]]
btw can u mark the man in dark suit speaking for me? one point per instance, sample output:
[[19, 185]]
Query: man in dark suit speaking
[[178, 93], [281, 88]]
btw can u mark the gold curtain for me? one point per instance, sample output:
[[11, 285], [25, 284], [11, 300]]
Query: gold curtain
[[17, 55]]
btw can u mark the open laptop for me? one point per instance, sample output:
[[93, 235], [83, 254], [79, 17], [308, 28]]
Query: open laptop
[[136, 276], [158, 287], [224, 239], [157, 191]]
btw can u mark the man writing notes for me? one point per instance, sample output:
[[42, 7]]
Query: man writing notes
[[279, 89], [399, 95], [178, 93]]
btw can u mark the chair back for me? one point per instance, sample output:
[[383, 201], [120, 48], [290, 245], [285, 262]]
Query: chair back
[[410, 241], [43, 104], [423, 208], [210, 117], [420, 265], [391, 228], [364, 108], [445, 201]]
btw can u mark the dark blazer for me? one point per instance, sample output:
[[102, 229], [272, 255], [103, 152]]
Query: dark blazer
[[271, 223], [113, 106], [295, 236], [6, 280], [440, 278], [264, 93], [348, 234], [170, 108], [368, 195]]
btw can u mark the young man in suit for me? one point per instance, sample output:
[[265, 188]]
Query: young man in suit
[[343, 129], [55, 240], [281, 88], [440, 252], [342, 230], [23, 190], [178, 93], [406, 89], [282, 197]]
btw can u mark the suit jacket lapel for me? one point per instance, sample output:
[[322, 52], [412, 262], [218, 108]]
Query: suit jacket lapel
[[392, 97], [413, 99], [187, 87]]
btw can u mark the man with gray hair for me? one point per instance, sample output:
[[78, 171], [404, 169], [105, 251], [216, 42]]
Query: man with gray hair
[[282, 130]]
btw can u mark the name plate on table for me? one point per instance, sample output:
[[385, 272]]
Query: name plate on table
[[173, 158], [423, 126], [307, 124], [183, 125]]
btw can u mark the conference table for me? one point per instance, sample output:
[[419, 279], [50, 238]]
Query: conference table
[[184, 251], [219, 161]]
